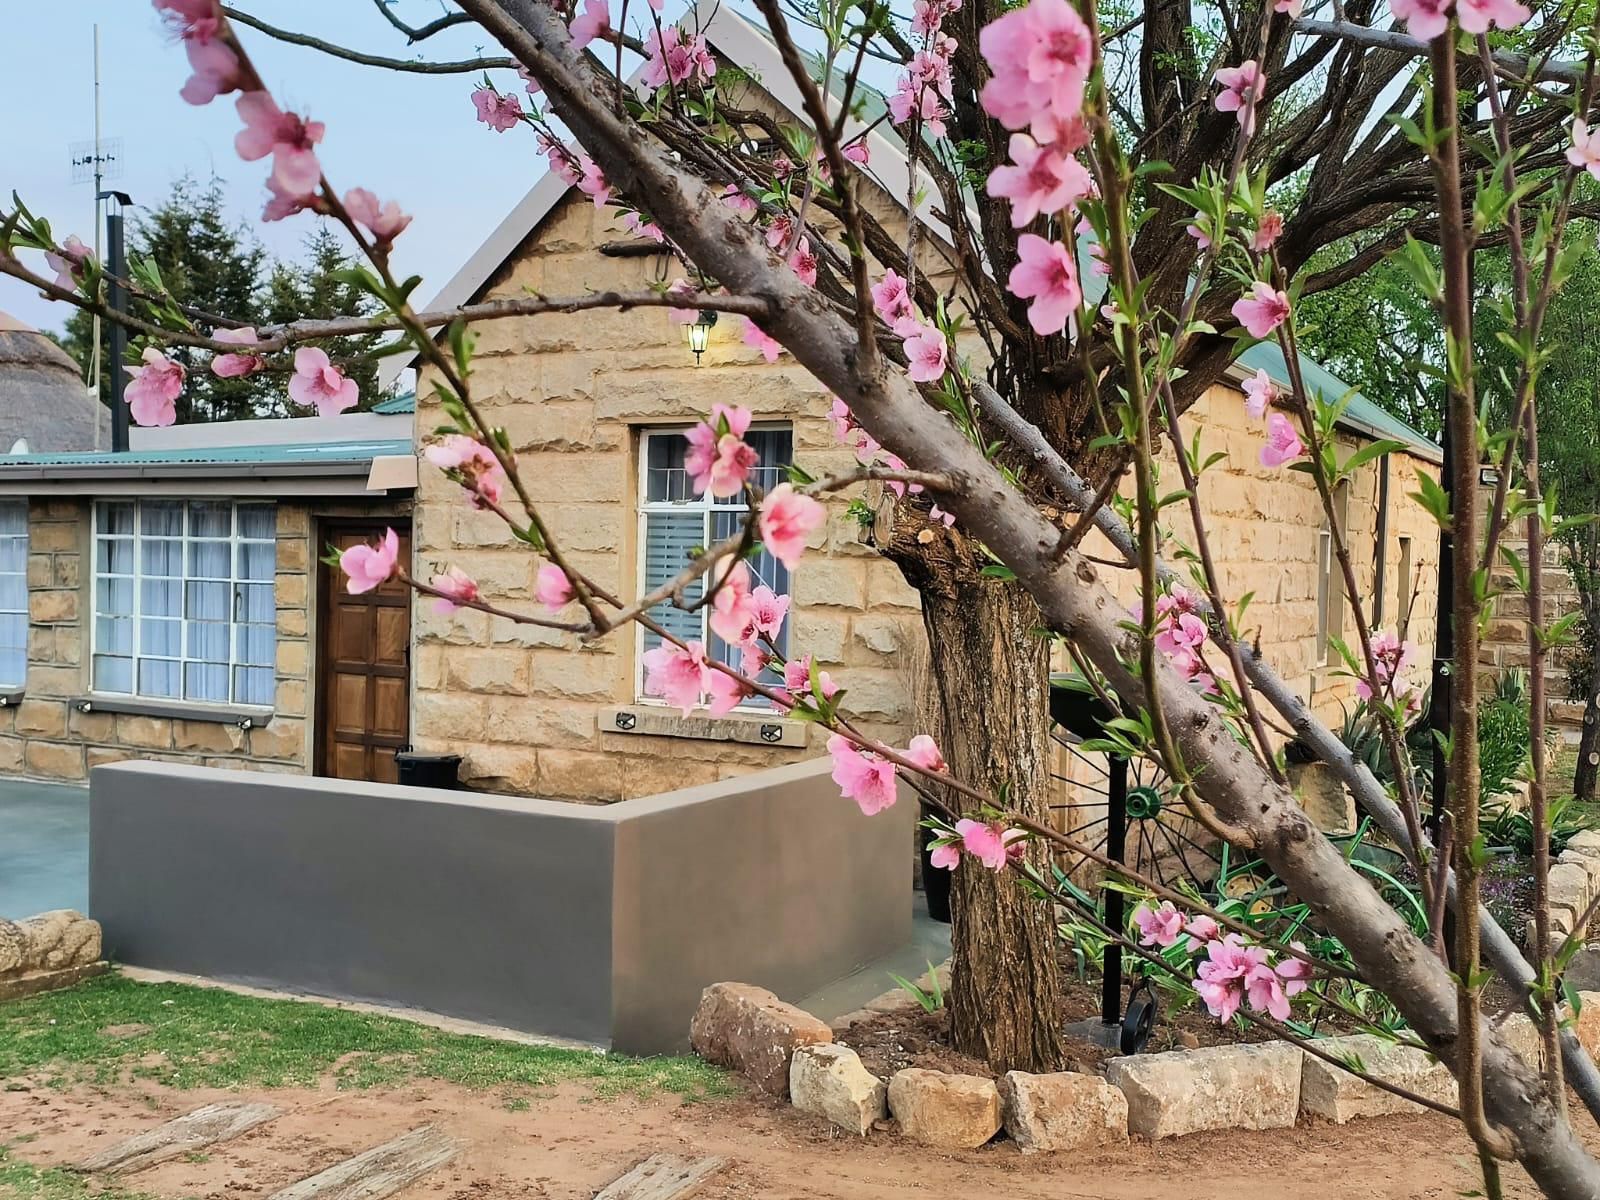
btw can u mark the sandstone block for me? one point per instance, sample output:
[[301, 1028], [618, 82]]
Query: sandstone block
[[1586, 1025], [47, 718], [1323, 796], [956, 1112], [752, 1031], [56, 940], [1327, 1091], [1569, 886], [1062, 1111], [829, 1081], [1215, 1087], [1585, 842], [53, 760]]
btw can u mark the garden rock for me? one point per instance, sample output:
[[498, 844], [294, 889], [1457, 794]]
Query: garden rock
[[1331, 1092], [1215, 1087], [956, 1112], [1586, 1025], [829, 1081], [1585, 842], [749, 1029], [51, 950], [1062, 1111]]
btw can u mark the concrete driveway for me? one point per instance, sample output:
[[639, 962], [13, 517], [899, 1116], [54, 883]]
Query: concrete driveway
[[44, 847]]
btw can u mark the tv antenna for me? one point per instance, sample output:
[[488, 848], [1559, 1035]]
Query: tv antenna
[[95, 162]]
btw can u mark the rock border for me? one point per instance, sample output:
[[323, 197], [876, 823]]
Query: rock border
[[49, 950], [788, 1052]]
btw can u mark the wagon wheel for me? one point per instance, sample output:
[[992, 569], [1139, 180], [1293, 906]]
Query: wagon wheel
[[1158, 839]]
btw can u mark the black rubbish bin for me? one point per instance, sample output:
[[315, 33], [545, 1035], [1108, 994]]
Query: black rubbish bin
[[429, 770], [935, 880]]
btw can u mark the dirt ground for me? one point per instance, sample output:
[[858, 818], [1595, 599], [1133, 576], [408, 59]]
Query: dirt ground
[[566, 1145]]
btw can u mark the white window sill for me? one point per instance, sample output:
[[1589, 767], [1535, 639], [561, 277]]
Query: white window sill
[[242, 715], [658, 720]]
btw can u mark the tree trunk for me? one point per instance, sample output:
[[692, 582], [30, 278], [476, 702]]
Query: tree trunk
[[991, 669]]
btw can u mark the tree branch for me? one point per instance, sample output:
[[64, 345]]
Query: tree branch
[[465, 66]]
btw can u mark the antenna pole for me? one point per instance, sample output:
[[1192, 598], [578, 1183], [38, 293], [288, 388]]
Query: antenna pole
[[94, 352]]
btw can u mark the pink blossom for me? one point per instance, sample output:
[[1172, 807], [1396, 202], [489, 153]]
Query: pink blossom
[[924, 752], [1266, 992], [727, 692], [895, 463], [1262, 310], [458, 587], [1584, 151], [1295, 972], [1267, 232], [367, 566], [285, 136], [473, 465], [1259, 393], [1040, 55], [768, 611], [1046, 274], [862, 776], [935, 513], [594, 21], [891, 300], [988, 842], [192, 18], [1158, 926], [732, 606], [316, 382], [69, 262], [216, 70], [285, 203], [1221, 978], [735, 199], [797, 679], [498, 112], [1390, 657], [1202, 928], [592, 181], [1043, 180], [152, 394], [927, 353], [231, 366], [1241, 92], [385, 222], [1202, 240], [533, 86], [757, 338], [562, 164], [1425, 19], [674, 58], [1184, 631], [804, 262], [1290, 8], [787, 518], [914, 97], [635, 224], [718, 460], [1476, 16], [1283, 442], [676, 674], [551, 587], [857, 152], [946, 855]]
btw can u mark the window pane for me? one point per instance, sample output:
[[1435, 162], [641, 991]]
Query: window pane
[[257, 645], [256, 603], [113, 635], [161, 556], [257, 560], [161, 518], [775, 448], [13, 667], [258, 521], [253, 685], [116, 518], [210, 519], [206, 681], [161, 638], [114, 556], [207, 640], [158, 677], [116, 596], [161, 597], [14, 518], [14, 554], [14, 593], [669, 538], [112, 674], [210, 560], [665, 477], [208, 601]]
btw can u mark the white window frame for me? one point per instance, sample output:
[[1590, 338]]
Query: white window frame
[[137, 577], [706, 505], [13, 685]]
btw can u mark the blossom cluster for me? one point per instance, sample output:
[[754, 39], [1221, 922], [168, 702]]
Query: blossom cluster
[[1232, 972], [1180, 636], [923, 91], [991, 843], [1390, 657]]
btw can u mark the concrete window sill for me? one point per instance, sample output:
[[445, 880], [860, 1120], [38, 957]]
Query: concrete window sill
[[245, 718], [12, 696], [756, 729]]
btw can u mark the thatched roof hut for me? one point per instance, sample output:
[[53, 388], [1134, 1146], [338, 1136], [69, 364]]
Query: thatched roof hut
[[42, 397]]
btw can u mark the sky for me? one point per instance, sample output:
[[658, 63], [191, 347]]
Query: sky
[[412, 138]]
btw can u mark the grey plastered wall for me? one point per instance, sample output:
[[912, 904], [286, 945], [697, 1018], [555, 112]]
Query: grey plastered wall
[[600, 924]]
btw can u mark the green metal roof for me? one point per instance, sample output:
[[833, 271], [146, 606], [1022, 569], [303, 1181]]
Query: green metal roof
[[279, 456], [1360, 415], [405, 402]]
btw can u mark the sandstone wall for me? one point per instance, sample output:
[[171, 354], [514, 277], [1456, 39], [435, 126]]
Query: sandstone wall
[[46, 736]]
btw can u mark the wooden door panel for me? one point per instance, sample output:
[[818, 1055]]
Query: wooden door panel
[[363, 669]]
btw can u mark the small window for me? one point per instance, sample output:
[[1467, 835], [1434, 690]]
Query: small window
[[184, 603], [1330, 580], [674, 521], [1405, 587], [13, 593]]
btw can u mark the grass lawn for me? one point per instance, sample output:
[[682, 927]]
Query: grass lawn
[[111, 1028], [19, 1181]]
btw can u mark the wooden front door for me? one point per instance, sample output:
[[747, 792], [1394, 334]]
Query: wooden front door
[[364, 667]]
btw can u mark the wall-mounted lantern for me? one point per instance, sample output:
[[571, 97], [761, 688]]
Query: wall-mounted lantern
[[700, 332]]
